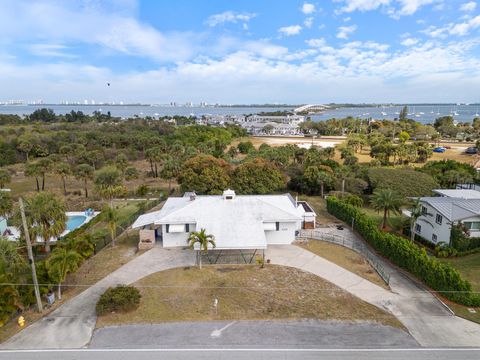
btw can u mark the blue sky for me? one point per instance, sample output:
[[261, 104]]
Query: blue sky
[[241, 51]]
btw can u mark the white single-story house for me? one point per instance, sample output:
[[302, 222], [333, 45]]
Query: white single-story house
[[236, 221], [449, 207]]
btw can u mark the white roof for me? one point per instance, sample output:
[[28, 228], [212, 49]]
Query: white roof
[[459, 193], [236, 223]]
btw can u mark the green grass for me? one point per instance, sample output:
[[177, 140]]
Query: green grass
[[243, 292], [469, 267]]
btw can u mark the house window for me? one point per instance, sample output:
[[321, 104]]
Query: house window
[[434, 238], [187, 228], [418, 228], [167, 228], [438, 219], [424, 210], [472, 225], [277, 226]]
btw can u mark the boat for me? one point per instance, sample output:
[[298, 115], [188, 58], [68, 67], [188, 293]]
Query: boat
[[384, 113]]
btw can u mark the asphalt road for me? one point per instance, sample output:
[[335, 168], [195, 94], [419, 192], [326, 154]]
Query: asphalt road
[[243, 354], [253, 334]]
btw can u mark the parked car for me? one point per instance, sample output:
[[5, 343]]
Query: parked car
[[439, 149], [471, 150]]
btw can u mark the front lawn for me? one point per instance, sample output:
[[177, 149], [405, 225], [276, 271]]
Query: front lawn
[[469, 267], [244, 292]]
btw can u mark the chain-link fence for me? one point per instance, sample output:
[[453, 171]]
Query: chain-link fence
[[351, 244]]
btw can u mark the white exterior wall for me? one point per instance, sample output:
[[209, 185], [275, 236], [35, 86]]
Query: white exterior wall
[[176, 239], [473, 233], [430, 227], [285, 234]]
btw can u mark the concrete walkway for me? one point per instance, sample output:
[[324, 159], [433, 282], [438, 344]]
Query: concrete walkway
[[72, 324], [427, 320]]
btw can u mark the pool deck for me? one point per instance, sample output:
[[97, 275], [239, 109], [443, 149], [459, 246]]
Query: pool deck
[[16, 233]]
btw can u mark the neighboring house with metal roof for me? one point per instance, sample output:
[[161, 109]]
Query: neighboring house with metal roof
[[451, 207], [249, 222]]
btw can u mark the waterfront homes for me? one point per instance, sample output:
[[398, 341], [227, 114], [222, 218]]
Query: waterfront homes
[[449, 207], [248, 222], [273, 124]]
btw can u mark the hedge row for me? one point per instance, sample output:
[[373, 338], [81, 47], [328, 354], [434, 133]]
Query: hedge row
[[437, 275]]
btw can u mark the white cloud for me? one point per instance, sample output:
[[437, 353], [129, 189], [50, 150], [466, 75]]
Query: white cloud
[[308, 22], [410, 7], [94, 23], [465, 27], [362, 5], [469, 6], [229, 17], [290, 30], [50, 50], [409, 42], [394, 8], [344, 32], [354, 72], [316, 42], [457, 29], [308, 8]]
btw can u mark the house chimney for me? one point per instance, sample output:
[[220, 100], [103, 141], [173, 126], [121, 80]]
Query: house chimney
[[228, 194], [191, 195]]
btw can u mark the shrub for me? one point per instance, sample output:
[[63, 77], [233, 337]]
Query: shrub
[[122, 298], [143, 190], [439, 276]]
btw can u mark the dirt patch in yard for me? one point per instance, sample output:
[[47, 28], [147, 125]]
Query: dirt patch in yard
[[346, 258], [247, 293]]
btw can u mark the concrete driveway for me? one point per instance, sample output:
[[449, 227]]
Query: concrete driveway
[[427, 320], [72, 324]]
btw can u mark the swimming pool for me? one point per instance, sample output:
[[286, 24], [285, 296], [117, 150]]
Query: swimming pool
[[75, 221]]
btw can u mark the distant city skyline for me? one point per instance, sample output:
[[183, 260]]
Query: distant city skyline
[[243, 52]]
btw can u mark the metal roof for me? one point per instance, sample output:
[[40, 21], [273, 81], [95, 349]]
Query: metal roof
[[459, 193], [454, 208], [236, 223]]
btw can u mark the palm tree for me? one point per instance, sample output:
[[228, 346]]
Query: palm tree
[[63, 170], [171, 169], [60, 263], [32, 170], [108, 182], [84, 172], [110, 215], [386, 200], [44, 167], [45, 217], [203, 240]]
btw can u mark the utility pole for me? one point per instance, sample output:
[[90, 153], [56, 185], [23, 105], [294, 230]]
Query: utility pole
[[30, 256]]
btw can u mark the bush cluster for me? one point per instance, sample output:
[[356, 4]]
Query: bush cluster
[[439, 276], [122, 298]]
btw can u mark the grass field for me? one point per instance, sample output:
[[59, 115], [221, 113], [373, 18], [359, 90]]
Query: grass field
[[456, 153], [243, 292], [469, 266], [346, 258]]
